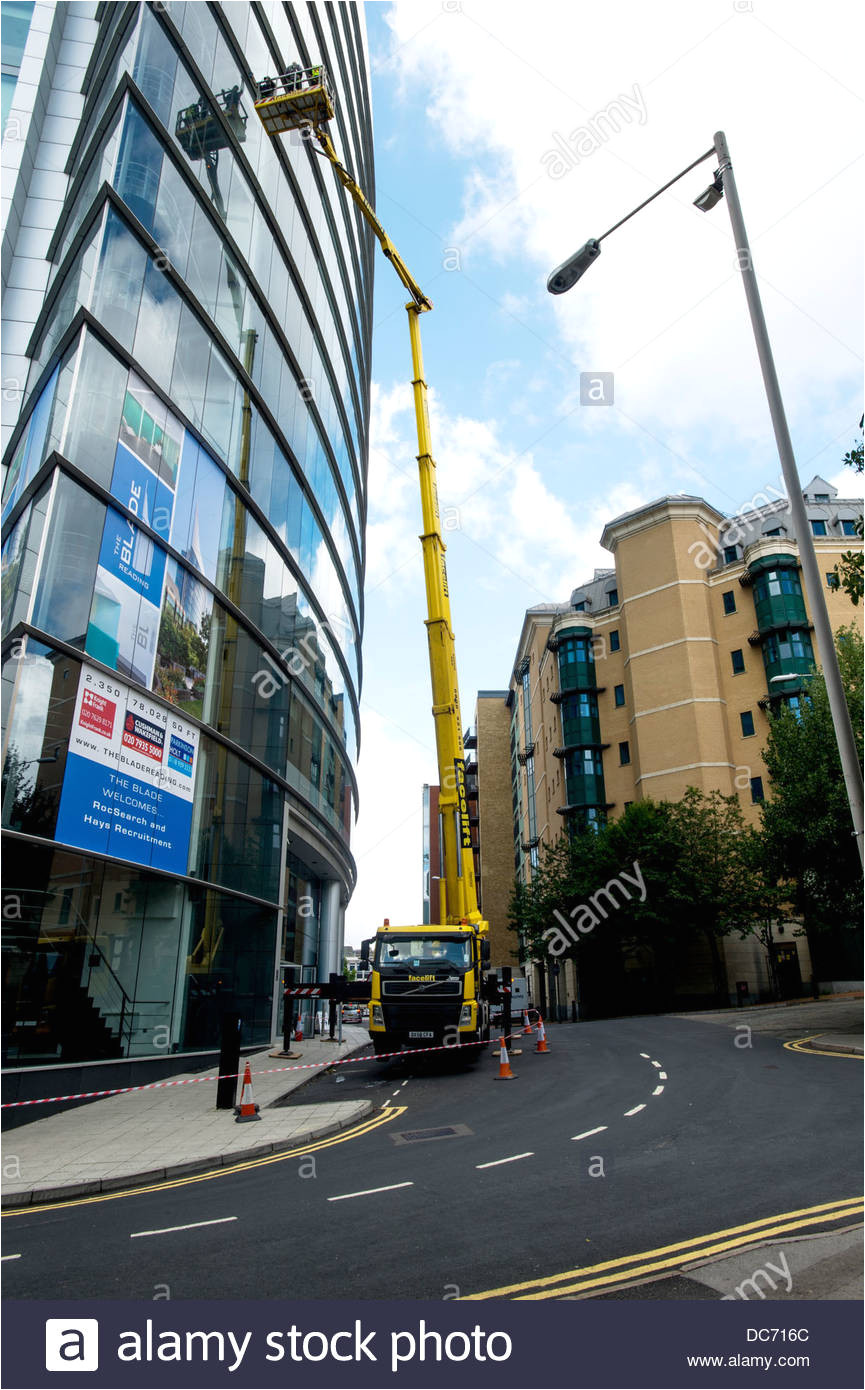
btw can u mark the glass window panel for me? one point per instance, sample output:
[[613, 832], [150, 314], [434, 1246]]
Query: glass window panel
[[72, 545], [118, 286], [20, 560], [240, 210], [219, 400], [189, 377], [158, 321], [205, 259], [155, 66], [184, 641], [172, 221], [239, 836], [230, 967], [40, 719], [139, 165], [261, 250], [95, 410]]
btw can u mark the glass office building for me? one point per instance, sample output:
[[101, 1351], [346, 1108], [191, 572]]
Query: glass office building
[[183, 535]]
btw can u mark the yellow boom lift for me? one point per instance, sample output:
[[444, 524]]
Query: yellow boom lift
[[427, 983]]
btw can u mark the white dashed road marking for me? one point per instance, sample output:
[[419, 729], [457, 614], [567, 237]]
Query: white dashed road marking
[[192, 1226], [496, 1161], [662, 1076], [657, 1091], [10, 1257], [636, 1110], [370, 1191], [645, 1054], [587, 1134], [656, 1064]]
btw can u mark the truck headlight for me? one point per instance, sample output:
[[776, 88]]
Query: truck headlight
[[465, 1016], [377, 1019]]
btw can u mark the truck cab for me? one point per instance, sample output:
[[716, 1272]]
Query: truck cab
[[427, 987]]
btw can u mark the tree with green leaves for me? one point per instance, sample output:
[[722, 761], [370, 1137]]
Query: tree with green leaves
[[770, 900], [711, 885], [807, 831], [849, 570], [695, 889]]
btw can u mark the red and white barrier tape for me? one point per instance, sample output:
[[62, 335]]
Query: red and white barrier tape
[[227, 1076]]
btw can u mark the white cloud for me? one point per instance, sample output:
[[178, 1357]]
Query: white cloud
[[498, 500], [664, 308], [848, 483]]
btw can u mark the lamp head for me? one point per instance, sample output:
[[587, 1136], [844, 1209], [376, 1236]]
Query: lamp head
[[568, 273], [711, 195]]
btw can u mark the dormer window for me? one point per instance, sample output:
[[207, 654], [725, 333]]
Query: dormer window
[[821, 497]]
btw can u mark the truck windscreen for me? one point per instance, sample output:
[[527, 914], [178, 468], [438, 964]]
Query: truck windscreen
[[430, 951]]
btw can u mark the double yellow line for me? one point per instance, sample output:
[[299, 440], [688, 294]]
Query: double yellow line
[[800, 1045], [634, 1268], [386, 1114]]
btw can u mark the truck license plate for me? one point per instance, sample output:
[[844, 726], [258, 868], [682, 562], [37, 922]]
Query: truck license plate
[[421, 1035]]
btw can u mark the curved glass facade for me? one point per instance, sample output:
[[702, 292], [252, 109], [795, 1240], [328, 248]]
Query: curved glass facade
[[183, 546]]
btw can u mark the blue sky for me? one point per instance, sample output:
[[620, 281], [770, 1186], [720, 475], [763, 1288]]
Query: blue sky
[[505, 136]]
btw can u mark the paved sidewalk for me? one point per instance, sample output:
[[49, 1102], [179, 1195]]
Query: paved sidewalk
[[848, 1043], [145, 1136], [830, 1024]]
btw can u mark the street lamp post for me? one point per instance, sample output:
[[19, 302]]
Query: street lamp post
[[563, 278]]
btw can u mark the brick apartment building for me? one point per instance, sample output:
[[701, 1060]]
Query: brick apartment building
[[659, 674]]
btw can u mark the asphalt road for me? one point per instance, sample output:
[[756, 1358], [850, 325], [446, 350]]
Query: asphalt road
[[694, 1134]]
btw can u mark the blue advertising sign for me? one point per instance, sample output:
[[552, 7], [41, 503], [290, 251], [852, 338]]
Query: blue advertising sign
[[127, 789]]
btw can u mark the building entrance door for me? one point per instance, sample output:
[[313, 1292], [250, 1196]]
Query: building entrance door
[[787, 971]]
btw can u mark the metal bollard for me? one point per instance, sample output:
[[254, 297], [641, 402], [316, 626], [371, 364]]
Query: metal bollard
[[229, 1061]]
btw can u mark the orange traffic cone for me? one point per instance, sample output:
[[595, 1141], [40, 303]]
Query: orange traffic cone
[[542, 1037], [527, 1030], [298, 1031], [505, 1073], [247, 1110]]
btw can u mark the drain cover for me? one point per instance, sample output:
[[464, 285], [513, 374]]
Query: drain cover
[[419, 1136]]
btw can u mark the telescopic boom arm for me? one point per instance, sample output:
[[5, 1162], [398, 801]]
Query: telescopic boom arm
[[307, 101]]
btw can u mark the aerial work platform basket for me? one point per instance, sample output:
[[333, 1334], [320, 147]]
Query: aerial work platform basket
[[300, 97], [199, 130]]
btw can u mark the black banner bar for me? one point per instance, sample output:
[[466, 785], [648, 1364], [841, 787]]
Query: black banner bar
[[506, 1345]]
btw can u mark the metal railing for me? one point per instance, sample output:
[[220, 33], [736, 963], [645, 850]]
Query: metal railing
[[121, 1013]]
